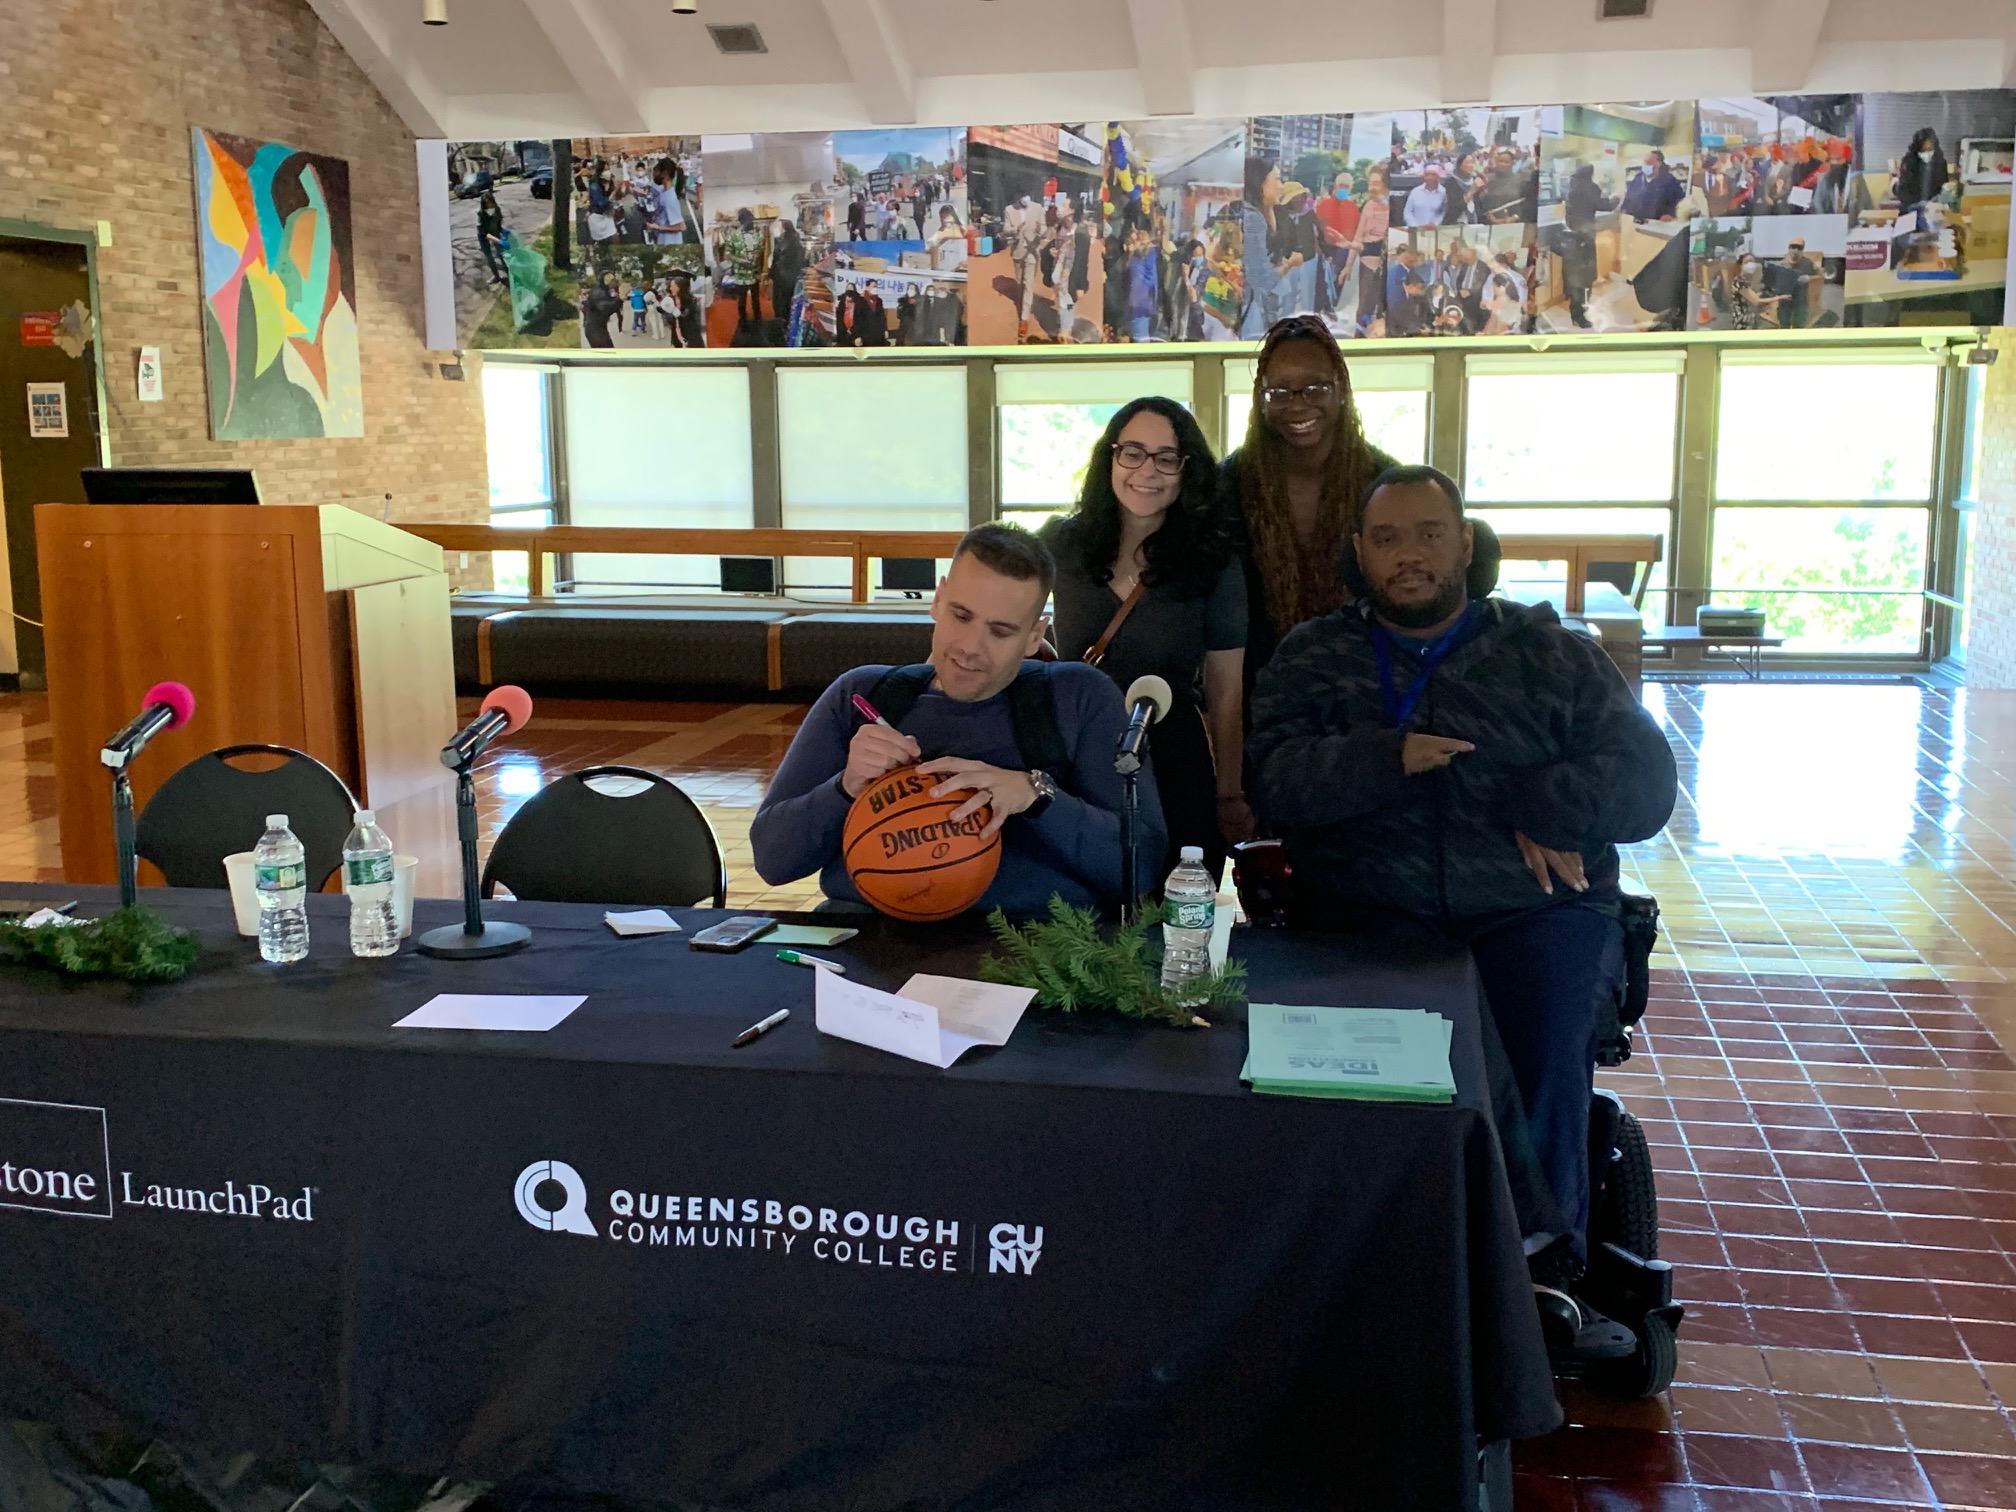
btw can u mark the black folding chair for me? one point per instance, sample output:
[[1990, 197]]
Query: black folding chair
[[577, 842], [211, 809]]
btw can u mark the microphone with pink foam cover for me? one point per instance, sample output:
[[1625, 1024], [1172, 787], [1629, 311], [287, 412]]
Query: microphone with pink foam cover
[[167, 706], [179, 699]]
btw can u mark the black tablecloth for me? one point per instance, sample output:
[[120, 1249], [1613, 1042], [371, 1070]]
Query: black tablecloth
[[1095, 1272]]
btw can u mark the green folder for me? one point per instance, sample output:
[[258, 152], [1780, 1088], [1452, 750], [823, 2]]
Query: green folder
[[1375, 1054]]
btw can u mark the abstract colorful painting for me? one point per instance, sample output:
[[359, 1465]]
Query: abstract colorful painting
[[279, 290]]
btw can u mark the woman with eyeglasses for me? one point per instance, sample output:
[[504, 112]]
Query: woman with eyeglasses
[[1148, 583], [1293, 487]]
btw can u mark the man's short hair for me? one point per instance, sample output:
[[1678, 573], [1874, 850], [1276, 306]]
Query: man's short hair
[[1403, 474], [1011, 551]]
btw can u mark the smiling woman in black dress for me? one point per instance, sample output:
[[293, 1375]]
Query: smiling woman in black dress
[[1146, 516]]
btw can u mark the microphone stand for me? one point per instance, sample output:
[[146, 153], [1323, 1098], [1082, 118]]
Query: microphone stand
[[1130, 822], [122, 837], [473, 939]]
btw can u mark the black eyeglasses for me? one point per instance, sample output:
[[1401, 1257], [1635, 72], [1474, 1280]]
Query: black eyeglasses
[[1131, 454], [1316, 393]]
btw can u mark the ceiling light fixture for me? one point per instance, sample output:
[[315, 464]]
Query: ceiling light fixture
[[685, 7], [434, 12]]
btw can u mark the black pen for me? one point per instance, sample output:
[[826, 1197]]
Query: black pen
[[757, 1031]]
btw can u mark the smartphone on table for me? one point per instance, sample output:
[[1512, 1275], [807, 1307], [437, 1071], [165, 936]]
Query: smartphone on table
[[730, 935]]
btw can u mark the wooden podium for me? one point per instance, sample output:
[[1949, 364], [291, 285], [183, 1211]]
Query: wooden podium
[[312, 627]]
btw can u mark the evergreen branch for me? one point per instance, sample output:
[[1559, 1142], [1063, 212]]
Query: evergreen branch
[[1075, 968], [131, 945]]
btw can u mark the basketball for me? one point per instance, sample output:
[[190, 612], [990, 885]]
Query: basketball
[[905, 855]]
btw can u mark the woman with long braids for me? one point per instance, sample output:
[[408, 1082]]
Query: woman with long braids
[[1148, 582], [1293, 487]]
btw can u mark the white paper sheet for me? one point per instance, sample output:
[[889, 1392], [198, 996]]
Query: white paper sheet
[[458, 1010], [644, 922], [933, 1019]]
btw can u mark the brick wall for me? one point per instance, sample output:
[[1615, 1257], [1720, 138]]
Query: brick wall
[[97, 98], [1991, 642]]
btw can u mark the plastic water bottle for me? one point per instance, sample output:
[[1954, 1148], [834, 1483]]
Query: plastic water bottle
[[367, 877], [1189, 908], [280, 868]]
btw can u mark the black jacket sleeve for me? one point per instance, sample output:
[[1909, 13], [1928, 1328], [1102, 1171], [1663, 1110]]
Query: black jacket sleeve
[[1618, 783], [1306, 764]]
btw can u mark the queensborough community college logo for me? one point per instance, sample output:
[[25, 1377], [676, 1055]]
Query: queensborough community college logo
[[551, 1195]]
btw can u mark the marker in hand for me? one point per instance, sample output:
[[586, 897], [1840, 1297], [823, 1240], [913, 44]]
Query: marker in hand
[[868, 712], [799, 958]]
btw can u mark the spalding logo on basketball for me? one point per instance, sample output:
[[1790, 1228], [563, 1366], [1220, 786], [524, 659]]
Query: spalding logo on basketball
[[906, 854]]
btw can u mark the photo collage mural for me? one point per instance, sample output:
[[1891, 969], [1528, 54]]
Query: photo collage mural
[[1777, 213]]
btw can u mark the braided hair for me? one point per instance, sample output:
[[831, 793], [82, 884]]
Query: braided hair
[[1300, 578]]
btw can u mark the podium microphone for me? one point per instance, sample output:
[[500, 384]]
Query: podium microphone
[[167, 706], [1148, 700], [504, 710]]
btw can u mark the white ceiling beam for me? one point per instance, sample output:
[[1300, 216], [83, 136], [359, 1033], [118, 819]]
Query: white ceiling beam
[[590, 50], [405, 89], [1469, 49], [1165, 56], [874, 57], [1783, 41]]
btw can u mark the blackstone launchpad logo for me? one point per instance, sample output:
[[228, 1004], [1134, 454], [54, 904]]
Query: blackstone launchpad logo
[[55, 1158], [551, 1195]]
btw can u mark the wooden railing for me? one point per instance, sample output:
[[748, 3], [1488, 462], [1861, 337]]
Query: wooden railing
[[860, 547], [1583, 552]]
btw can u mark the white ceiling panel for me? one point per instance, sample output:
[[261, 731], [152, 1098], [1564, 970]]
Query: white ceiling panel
[[495, 69]]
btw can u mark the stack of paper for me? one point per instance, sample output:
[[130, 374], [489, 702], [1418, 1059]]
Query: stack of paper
[[1384, 1054], [645, 922]]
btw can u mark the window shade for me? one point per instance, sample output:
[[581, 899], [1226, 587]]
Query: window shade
[[870, 448], [660, 446], [1369, 375], [1524, 364], [1090, 382]]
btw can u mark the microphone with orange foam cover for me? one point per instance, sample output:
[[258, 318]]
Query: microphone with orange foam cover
[[504, 710]]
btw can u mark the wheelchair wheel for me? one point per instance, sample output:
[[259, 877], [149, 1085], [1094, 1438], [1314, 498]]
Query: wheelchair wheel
[[1647, 1372], [1624, 1203]]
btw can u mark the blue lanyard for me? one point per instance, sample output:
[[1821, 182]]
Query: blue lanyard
[[1400, 709]]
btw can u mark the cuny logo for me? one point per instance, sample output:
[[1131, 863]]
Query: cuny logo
[[571, 1215], [1011, 1248], [54, 1159]]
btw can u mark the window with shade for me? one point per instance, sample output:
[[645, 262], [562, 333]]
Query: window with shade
[[1392, 395], [518, 430], [1576, 444], [664, 446], [1049, 414], [1823, 489], [869, 448]]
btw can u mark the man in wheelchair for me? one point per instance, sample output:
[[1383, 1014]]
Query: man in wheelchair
[[1441, 762]]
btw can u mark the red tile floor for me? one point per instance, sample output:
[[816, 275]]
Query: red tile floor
[[1825, 1076]]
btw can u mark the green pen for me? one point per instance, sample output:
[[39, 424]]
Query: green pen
[[799, 958]]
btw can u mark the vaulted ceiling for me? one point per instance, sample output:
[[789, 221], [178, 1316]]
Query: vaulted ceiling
[[590, 67]]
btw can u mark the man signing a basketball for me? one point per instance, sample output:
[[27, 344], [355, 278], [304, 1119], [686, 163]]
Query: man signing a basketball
[[1032, 741]]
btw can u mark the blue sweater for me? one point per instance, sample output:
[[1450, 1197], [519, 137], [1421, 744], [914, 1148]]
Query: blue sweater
[[1071, 849]]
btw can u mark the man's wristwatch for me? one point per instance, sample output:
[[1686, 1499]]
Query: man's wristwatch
[[1046, 792]]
